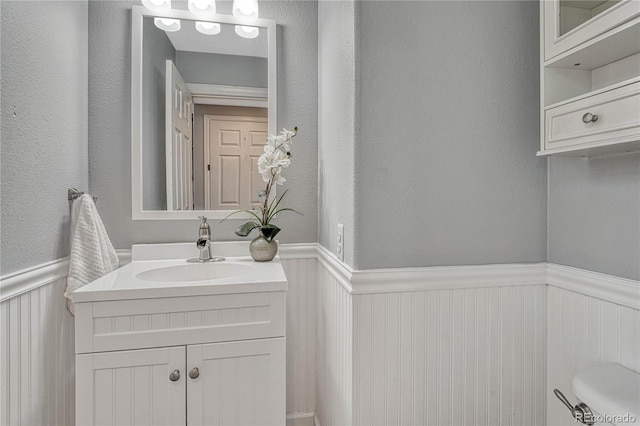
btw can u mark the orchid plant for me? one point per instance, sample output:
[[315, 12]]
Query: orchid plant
[[276, 156]]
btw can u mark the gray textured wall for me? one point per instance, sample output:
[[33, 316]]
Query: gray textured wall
[[44, 127], [446, 171], [156, 50], [229, 70], [110, 131], [336, 123], [594, 214]]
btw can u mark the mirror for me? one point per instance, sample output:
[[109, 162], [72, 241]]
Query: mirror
[[574, 13], [202, 107]]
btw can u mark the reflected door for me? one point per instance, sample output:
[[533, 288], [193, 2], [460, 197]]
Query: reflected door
[[179, 147], [232, 147]]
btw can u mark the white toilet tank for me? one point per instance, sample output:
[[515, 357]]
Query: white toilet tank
[[612, 392]]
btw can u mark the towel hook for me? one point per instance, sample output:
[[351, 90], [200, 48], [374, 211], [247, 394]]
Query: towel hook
[[73, 194]]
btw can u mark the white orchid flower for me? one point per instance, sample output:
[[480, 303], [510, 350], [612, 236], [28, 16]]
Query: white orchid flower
[[273, 160], [288, 134], [268, 149], [277, 178]]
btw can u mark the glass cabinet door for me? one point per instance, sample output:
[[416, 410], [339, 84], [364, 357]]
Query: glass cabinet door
[[574, 13], [570, 23]]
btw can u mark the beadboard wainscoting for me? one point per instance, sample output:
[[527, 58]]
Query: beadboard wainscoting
[[334, 343], [431, 346], [585, 330], [454, 345], [300, 267], [37, 367], [450, 357]]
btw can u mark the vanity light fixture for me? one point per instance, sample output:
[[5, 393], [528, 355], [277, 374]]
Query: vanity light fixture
[[246, 10], [167, 24], [157, 5], [247, 32], [208, 28], [203, 8]]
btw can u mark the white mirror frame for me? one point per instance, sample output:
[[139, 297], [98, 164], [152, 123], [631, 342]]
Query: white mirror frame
[[138, 14]]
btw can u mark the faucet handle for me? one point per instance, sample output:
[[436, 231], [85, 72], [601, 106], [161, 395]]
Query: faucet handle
[[204, 225]]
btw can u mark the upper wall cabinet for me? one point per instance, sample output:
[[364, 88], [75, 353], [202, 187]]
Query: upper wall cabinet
[[590, 76]]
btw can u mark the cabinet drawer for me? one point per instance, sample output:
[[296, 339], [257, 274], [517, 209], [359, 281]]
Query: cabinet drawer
[[145, 323], [618, 120]]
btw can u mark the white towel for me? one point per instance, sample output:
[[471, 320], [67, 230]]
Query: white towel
[[92, 254]]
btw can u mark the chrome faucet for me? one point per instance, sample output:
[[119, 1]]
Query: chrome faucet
[[204, 244]]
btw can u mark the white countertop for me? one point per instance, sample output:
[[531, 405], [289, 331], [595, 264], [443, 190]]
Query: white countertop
[[123, 283]]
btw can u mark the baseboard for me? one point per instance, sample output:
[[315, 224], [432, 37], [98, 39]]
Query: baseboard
[[302, 419]]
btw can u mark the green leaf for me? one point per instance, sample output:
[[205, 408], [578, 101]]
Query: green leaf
[[272, 209], [285, 209], [276, 201], [245, 229], [269, 231], [251, 212]]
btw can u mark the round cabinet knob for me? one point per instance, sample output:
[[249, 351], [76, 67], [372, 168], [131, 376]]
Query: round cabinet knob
[[589, 118], [174, 376], [194, 373]]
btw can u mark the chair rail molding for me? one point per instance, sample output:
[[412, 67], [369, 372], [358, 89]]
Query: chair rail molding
[[26, 280], [622, 291]]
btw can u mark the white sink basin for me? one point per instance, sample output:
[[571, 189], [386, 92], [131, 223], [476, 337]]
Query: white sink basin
[[161, 270], [196, 272]]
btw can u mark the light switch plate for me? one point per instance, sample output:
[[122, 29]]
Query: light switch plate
[[340, 246]]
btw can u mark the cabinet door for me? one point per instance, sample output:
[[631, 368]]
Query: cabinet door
[[238, 383], [131, 387], [569, 23]]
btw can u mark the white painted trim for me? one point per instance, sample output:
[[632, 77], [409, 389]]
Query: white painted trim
[[340, 270], [298, 251], [237, 102], [300, 415], [217, 90], [217, 94], [447, 277], [621, 291], [26, 280], [124, 256]]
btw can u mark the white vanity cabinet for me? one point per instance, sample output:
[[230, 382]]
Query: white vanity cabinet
[[205, 352], [590, 77], [229, 383]]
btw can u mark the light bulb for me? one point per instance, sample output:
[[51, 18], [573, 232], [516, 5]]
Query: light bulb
[[204, 8], [167, 24], [157, 5], [246, 10], [247, 32], [208, 28]]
